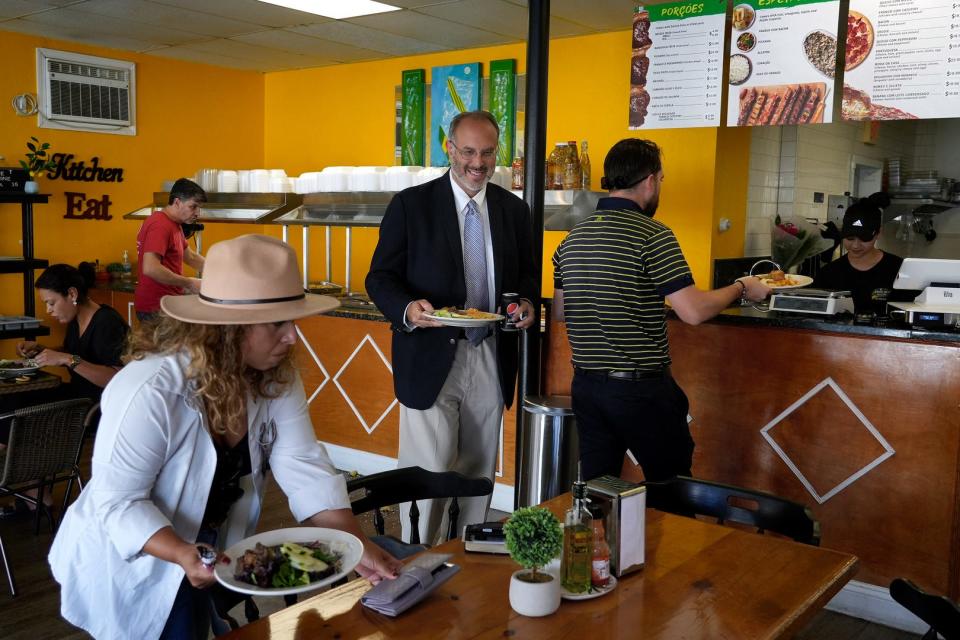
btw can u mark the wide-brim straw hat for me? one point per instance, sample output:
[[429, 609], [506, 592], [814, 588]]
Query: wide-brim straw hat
[[250, 279]]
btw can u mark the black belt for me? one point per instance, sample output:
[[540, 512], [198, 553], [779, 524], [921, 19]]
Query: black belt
[[630, 374]]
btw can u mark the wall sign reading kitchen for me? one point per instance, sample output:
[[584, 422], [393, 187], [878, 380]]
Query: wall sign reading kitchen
[[676, 65], [79, 206], [782, 62], [902, 60]]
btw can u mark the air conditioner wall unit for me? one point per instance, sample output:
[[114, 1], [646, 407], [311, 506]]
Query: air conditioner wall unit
[[86, 93]]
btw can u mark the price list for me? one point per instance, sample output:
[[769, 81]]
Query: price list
[[902, 60], [676, 65]]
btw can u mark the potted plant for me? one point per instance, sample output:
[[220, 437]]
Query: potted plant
[[534, 539], [38, 161]]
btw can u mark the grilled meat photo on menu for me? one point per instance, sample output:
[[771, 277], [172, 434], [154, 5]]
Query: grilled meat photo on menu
[[857, 105], [782, 104], [641, 30], [639, 64], [639, 100]]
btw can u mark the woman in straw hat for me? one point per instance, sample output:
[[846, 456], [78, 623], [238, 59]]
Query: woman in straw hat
[[209, 398]]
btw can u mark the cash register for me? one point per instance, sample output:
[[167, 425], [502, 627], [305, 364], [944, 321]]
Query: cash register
[[938, 305]]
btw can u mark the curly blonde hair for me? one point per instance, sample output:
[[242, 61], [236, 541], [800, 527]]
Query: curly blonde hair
[[216, 370]]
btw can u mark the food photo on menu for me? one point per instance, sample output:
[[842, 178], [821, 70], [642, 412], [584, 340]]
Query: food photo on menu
[[870, 93], [782, 62], [639, 65]]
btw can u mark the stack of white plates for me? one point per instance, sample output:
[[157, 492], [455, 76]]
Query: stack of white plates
[[308, 182], [281, 185], [243, 181], [366, 179], [207, 179], [259, 181], [502, 177], [399, 178], [334, 179], [228, 182], [428, 174]]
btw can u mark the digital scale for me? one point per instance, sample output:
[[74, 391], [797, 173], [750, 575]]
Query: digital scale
[[938, 306], [816, 301]]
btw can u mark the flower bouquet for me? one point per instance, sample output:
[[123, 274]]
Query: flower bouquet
[[794, 239]]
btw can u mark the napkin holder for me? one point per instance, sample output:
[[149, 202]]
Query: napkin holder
[[416, 581], [485, 537], [623, 505]]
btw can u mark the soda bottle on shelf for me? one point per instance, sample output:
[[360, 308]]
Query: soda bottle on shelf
[[571, 168], [584, 168], [516, 171]]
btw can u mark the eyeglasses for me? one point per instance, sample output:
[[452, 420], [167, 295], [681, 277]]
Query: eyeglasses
[[470, 154]]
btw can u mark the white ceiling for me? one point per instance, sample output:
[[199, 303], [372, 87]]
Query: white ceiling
[[246, 34]]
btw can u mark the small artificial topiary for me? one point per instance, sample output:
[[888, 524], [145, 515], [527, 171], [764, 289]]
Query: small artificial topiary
[[534, 538]]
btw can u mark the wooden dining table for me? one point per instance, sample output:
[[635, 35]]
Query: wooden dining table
[[33, 382], [700, 580]]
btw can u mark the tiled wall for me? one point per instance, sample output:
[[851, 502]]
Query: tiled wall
[[788, 165]]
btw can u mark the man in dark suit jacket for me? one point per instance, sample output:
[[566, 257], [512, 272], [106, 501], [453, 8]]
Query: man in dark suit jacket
[[453, 242]]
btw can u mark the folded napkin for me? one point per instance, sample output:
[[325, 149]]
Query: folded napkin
[[416, 581]]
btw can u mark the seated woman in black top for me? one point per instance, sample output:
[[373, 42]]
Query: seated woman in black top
[[91, 349], [863, 268]]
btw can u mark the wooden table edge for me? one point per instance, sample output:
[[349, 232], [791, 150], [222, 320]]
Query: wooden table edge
[[816, 603]]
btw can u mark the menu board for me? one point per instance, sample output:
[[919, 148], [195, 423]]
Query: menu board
[[782, 62], [676, 65], [902, 60]]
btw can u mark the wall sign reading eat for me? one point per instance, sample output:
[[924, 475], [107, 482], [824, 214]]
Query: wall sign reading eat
[[79, 207]]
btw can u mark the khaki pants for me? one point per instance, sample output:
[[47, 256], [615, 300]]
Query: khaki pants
[[460, 432]]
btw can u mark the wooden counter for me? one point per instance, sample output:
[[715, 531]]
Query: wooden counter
[[817, 395], [345, 363]]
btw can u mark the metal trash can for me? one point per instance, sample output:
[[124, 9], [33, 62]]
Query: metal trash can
[[548, 450]]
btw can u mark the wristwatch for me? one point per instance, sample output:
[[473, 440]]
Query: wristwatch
[[74, 362]]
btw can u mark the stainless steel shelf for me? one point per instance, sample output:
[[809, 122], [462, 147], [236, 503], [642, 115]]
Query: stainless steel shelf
[[256, 208]]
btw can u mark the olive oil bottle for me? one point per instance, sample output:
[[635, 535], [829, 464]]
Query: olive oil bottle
[[576, 563]]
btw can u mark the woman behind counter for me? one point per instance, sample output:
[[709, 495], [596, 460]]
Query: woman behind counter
[[209, 396], [863, 268]]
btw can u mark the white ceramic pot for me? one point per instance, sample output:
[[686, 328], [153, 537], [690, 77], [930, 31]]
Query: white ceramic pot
[[534, 599], [31, 187]]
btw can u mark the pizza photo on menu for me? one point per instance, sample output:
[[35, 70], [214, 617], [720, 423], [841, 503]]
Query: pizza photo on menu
[[859, 39], [782, 104], [857, 105]]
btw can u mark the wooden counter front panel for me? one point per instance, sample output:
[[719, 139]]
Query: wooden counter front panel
[[902, 518], [352, 404]]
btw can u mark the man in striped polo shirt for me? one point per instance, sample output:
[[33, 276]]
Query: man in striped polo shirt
[[612, 274]]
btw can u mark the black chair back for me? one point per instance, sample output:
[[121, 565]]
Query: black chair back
[[941, 614], [411, 484], [728, 503]]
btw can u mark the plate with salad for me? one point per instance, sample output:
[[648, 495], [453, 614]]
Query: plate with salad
[[14, 368], [288, 561]]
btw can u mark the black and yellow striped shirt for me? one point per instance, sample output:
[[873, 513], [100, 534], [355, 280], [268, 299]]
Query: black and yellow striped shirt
[[615, 269]]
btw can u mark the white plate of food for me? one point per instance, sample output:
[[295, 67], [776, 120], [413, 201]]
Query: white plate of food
[[297, 560], [14, 368], [780, 280], [591, 592], [453, 317]]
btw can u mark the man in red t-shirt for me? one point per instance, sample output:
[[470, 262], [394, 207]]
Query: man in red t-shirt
[[162, 249]]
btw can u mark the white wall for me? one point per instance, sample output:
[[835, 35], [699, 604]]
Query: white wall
[[789, 164]]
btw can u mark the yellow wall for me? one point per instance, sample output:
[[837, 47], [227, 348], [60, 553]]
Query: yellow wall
[[189, 116], [344, 115]]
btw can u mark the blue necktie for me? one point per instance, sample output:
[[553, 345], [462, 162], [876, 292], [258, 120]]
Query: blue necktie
[[475, 269]]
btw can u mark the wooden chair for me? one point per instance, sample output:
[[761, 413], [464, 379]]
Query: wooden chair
[[409, 485], [727, 503], [941, 614], [42, 451]]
